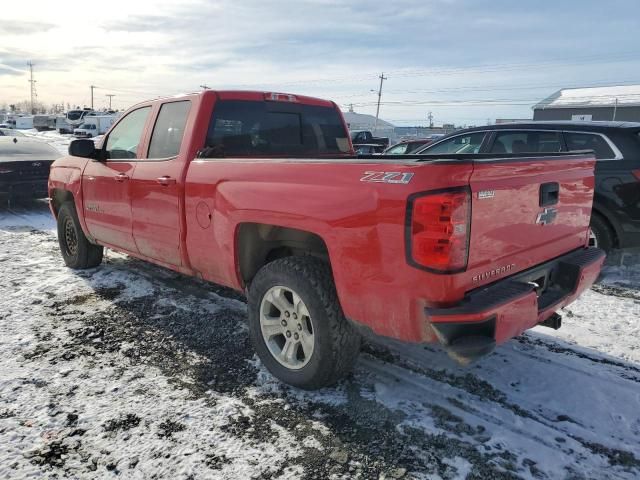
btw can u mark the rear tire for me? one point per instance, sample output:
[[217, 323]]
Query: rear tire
[[601, 234], [77, 251], [297, 326]]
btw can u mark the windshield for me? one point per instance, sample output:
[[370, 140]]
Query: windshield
[[75, 114]]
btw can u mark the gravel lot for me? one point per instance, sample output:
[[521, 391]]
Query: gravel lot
[[133, 371]]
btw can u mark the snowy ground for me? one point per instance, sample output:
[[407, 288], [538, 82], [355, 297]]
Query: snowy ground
[[130, 370]]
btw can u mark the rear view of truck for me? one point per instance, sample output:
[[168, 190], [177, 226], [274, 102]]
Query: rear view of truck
[[511, 244]]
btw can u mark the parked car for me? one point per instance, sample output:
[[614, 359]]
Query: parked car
[[9, 132], [262, 192], [359, 137], [615, 221], [24, 167], [407, 146], [63, 126]]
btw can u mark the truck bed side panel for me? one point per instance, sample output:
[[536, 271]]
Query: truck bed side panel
[[362, 224]]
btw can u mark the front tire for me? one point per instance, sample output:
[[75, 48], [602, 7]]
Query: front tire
[[77, 251], [297, 326]]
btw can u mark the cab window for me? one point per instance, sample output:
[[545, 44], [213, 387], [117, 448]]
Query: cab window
[[469, 143], [168, 131], [124, 139]]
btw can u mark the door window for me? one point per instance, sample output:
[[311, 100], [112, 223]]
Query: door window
[[469, 143], [527, 142], [124, 139], [169, 130], [589, 141], [398, 149]]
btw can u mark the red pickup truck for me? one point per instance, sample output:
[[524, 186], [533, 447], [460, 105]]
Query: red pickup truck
[[263, 193]]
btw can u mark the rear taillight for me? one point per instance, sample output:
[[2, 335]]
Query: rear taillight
[[636, 173], [438, 230]]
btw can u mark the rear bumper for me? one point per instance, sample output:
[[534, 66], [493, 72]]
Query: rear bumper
[[492, 315]]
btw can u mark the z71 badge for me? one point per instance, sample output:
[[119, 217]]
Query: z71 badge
[[387, 177]]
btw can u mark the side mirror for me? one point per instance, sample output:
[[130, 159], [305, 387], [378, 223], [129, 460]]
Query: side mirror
[[82, 147]]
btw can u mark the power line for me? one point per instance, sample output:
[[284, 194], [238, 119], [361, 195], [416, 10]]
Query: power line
[[478, 68], [499, 88], [574, 100]]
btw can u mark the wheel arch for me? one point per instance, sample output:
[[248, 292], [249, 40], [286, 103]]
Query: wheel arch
[[58, 197], [258, 244]]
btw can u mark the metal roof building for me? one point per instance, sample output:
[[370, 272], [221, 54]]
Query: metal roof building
[[621, 102]]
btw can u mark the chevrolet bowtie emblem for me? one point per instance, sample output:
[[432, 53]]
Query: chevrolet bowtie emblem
[[547, 216]]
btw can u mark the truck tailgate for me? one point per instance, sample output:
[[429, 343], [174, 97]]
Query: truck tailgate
[[526, 211]]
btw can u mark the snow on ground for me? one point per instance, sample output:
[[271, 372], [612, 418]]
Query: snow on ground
[[136, 371]]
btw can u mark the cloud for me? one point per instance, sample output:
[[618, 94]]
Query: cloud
[[431, 50], [9, 27]]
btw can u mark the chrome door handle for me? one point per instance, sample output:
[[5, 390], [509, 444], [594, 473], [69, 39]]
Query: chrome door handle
[[121, 177], [166, 180]]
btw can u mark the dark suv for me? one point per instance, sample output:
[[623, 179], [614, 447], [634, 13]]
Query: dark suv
[[615, 219]]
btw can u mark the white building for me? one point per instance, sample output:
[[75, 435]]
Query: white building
[[620, 102]]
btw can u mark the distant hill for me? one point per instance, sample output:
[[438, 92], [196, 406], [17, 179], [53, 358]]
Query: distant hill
[[362, 121]]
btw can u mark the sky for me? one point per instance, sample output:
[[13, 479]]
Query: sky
[[465, 61]]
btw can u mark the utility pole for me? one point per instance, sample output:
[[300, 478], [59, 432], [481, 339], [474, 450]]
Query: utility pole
[[382, 79], [33, 86], [205, 87], [92, 87], [110, 95], [430, 117]]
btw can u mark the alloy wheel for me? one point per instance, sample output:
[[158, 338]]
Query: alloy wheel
[[286, 326]]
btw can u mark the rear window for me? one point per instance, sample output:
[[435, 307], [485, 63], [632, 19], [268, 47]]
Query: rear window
[[589, 141], [249, 128]]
